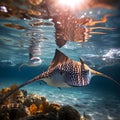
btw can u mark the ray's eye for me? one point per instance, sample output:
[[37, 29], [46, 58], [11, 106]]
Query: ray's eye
[[85, 72]]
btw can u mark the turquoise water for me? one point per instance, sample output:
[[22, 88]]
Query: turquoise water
[[101, 51]]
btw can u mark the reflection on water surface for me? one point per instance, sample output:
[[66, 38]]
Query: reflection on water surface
[[46, 23]]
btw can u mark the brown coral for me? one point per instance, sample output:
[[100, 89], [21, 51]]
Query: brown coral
[[34, 99], [5, 90], [33, 109], [20, 106], [44, 107]]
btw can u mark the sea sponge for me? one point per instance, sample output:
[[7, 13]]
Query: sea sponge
[[44, 107], [33, 109]]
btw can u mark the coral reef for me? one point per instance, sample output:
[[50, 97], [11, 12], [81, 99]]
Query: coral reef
[[20, 106]]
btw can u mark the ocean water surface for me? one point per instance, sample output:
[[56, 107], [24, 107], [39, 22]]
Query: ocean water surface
[[92, 34]]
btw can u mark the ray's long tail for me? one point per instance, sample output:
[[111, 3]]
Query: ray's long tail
[[103, 75], [22, 85]]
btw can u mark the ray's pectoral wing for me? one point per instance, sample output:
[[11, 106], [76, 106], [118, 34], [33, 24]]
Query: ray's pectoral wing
[[58, 59]]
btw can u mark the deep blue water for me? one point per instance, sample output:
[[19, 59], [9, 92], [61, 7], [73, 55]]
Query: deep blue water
[[101, 51]]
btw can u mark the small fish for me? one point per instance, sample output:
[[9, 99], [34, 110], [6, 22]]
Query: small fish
[[64, 72]]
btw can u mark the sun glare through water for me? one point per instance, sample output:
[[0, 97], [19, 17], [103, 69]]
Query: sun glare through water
[[70, 3]]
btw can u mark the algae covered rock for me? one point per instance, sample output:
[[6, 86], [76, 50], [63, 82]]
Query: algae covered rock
[[68, 113]]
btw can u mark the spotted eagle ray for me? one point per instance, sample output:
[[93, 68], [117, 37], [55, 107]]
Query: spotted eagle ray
[[64, 72]]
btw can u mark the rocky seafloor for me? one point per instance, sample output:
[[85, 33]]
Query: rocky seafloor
[[24, 106]]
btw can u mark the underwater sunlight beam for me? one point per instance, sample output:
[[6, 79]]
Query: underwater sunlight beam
[[70, 3]]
